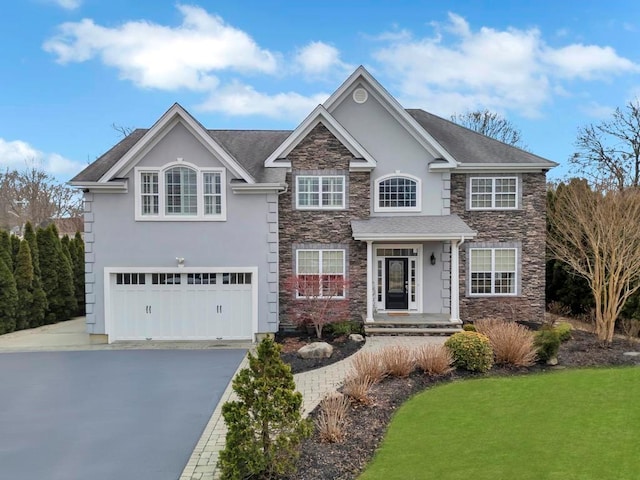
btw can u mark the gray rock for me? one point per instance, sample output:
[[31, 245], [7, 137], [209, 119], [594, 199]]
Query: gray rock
[[632, 354], [316, 350], [552, 361], [356, 337]]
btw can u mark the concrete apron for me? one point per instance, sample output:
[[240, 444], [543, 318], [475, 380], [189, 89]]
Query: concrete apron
[[71, 335]]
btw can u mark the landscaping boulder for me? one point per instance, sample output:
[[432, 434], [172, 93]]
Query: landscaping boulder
[[356, 337], [553, 361], [316, 350]]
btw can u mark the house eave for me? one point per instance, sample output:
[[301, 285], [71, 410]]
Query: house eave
[[503, 167], [106, 187], [256, 188], [413, 236]]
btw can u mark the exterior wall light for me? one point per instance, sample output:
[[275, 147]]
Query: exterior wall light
[[433, 259]]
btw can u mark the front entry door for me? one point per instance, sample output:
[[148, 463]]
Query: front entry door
[[397, 295]]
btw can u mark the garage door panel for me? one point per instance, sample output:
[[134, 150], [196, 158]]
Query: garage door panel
[[181, 306]]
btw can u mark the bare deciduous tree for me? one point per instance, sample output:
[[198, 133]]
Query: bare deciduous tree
[[492, 125], [610, 151], [32, 195], [597, 232]]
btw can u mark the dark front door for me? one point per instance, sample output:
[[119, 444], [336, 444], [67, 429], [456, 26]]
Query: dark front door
[[397, 297]]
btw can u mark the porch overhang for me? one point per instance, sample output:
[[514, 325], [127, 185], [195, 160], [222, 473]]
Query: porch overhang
[[412, 228]]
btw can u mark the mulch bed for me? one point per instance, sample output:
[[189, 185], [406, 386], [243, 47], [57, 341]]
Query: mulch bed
[[367, 424], [342, 348]]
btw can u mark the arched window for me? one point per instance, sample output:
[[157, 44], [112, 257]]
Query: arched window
[[180, 192], [398, 193]]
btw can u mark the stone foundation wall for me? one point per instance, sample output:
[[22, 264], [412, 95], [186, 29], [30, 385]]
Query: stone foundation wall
[[321, 153], [525, 227]]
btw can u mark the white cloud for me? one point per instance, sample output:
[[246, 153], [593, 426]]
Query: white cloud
[[167, 58], [458, 68], [240, 99], [597, 110], [68, 4], [319, 58], [586, 61], [17, 154]]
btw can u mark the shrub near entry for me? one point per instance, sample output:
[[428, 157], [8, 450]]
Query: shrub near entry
[[471, 351]]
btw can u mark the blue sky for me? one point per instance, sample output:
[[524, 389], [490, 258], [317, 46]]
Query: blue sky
[[72, 68]]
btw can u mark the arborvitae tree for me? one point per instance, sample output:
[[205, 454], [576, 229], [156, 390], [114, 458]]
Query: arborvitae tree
[[49, 273], [40, 305], [5, 250], [65, 242], [8, 299], [77, 260], [265, 426], [30, 236], [65, 291], [15, 247], [24, 284]]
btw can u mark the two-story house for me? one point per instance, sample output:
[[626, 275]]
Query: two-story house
[[192, 233]]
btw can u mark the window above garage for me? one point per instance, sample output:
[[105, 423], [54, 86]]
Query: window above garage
[[180, 192]]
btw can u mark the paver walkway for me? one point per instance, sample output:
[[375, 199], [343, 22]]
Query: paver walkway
[[314, 386]]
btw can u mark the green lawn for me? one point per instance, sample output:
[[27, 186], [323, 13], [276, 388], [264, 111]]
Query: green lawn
[[573, 424]]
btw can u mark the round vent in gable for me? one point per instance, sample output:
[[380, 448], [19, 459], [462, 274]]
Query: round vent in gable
[[360, 95]]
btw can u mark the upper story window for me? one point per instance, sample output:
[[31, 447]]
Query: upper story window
[[397, 193], [320, 192], [493, 193], [180, 192]]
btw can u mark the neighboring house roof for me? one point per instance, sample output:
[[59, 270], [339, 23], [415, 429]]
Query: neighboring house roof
[[422, 227], [470, 148]]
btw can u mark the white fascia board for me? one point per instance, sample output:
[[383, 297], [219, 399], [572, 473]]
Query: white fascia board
[[107, 187], [319, 115], [170, 118], [394, 108], [255, 188], [505, 167], [412, 237]]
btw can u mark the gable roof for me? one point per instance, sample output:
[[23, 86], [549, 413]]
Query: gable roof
[[396, 110], [319, 115], [473, 150], [247, 148]]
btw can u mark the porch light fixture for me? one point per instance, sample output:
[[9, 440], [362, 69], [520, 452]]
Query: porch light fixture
[[433, 259]]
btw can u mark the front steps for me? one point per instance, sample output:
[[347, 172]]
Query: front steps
[[411, 327]]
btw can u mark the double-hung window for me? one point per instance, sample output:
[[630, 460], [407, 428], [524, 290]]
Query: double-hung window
[[493, 271], [180, 192], [321, 273], [494, 193], [320, 191]]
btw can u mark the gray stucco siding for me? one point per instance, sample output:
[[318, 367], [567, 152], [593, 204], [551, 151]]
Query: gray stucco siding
[[394, 150], [177, 143]]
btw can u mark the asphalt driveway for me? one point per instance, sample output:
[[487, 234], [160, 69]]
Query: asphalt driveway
[[104, 415]]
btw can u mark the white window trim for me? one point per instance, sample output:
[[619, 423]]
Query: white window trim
[[493, 192], [379, 180], [320, 250], [320, 206], [493, 271], [162, 216]]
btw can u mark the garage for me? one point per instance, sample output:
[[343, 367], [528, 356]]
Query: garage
[[181, 304]]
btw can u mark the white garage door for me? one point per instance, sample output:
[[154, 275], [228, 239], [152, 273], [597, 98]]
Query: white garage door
[[198, 305]]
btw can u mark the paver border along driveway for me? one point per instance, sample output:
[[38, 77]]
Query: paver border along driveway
[[107, 415]]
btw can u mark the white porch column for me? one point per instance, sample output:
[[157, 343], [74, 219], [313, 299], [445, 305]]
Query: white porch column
[[369, 317], [455, 280]]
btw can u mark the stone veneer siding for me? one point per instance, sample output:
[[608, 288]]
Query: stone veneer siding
[[526, 227], [320, 152]]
